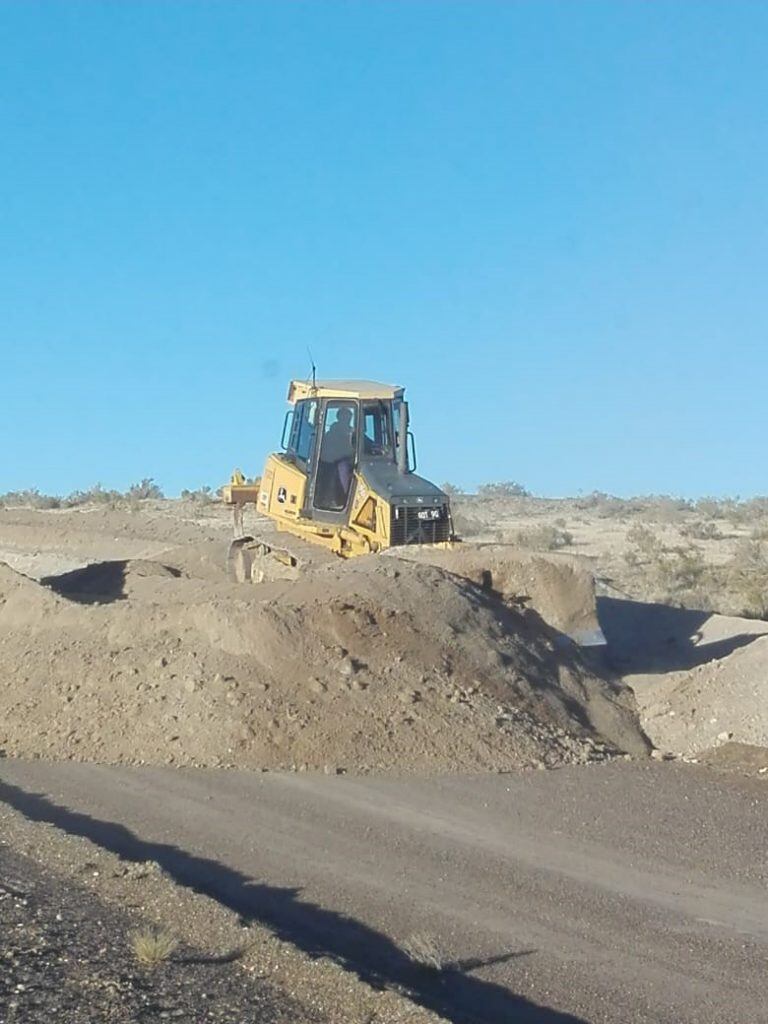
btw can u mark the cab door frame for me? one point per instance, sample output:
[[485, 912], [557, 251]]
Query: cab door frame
[[311, 511]]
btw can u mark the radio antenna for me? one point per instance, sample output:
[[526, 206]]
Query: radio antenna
[[314, 368]]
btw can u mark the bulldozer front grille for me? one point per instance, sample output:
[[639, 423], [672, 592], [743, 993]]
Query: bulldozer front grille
[[419, 525]]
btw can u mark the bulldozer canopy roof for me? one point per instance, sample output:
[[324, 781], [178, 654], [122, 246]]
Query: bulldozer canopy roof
[[342, 389]]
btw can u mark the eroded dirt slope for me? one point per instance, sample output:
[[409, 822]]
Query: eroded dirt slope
[[373, 664]]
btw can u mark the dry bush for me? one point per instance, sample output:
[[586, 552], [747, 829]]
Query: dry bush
[[152, 947], [683, 572], [201, 496], [144, 490], [737, 512], [96, 495], [467, 525], [424, 950], [452, 490], [605, 505], [29, 498], [747, 578], [662, 507], [757, 507], [677, 574], [503, 489], [544, 538], [714, 508], [701, 529], [644, 547]]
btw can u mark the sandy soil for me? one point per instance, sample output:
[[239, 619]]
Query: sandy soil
[[151, 655], [373, 664], [698, 668]]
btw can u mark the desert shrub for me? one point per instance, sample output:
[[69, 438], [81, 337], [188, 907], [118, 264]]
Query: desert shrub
[[737, 512], [605, 505], [747, 578], [424, 951], [682, 570], [144, 490], [701, 529], [675, 573], [202, 496], [152, 947], [95, 495], [544, 538], [503, 489], [30, 498], [644, 545], [661, 507], [452, 490], [756, 508], [713, 508], [466, 525]]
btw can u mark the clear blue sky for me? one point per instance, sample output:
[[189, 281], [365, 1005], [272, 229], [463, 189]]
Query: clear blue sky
[[548, 220]]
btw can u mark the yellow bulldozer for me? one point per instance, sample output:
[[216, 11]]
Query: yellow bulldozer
[[345, 479], [345, 484]]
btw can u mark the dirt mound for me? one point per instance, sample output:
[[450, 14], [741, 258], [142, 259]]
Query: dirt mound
[[22, 600], [560, 587], [374, 664], [724, 700]]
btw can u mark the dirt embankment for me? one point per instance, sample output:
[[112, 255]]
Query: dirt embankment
[[373, 664], [715, 703]]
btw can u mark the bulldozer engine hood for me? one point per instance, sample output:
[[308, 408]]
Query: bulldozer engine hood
[[389, 483]]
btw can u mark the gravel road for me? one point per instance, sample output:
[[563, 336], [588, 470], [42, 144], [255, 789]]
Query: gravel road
[[66, 957], [624, 893]]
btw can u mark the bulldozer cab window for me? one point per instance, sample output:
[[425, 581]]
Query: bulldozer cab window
[[304, 429], [337, 456], [376, 429]]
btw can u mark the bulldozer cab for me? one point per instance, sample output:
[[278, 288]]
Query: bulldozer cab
[[330, 437]]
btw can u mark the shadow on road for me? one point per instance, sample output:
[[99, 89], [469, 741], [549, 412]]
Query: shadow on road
[[376, 959], [657, 638]]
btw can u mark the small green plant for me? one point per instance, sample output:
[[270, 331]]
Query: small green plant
[[152, 947], [424, 950]]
